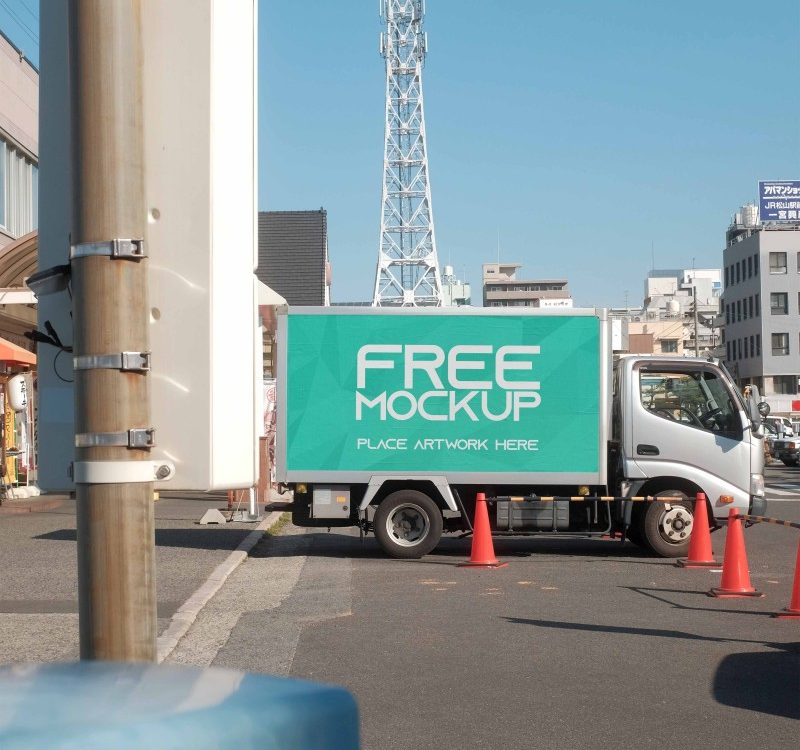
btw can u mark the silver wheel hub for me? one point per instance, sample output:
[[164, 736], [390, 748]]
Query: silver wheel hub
[[408, 525], [675, 524]]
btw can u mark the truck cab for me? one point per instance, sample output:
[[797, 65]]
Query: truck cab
[[683, 428]]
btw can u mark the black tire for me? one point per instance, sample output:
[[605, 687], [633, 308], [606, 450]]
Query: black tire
[[665, 527], [635, 534], [407, 524]]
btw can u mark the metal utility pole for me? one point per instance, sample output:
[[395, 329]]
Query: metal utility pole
[[408, 267], [696, 330], [116, 578]]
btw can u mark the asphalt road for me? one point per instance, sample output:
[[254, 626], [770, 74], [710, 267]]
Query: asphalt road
[[575, 644], [38, 572], [783, 482]]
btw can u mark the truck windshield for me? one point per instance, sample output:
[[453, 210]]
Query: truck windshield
[[699, 399]]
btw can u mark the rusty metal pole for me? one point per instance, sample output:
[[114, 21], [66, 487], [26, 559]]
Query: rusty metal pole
[[116, 570]]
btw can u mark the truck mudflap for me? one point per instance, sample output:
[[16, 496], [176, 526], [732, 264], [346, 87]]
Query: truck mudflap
[[758, 505]]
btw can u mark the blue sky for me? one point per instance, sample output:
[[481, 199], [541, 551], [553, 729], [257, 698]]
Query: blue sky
[[584, 132], [19, 21]]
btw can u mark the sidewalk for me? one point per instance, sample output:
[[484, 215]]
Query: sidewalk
[[38, 568]]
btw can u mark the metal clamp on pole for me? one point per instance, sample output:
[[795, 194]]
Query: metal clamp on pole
[[121, 472], [138, 437], [119, 248], [125, 361]]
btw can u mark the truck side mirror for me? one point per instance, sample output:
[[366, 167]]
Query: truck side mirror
[[763, 409]]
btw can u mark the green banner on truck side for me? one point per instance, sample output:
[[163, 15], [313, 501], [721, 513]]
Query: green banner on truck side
[[442, 393]]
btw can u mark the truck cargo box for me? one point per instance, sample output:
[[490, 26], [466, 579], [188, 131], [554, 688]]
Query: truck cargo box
[[470, 394]]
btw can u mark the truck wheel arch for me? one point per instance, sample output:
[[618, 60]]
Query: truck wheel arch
[[435, 487], [654, 486], [426, 487]]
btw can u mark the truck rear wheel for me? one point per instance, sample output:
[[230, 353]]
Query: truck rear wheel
[[408, 524], [666, 526]]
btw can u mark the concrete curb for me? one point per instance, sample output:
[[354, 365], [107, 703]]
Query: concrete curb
[[29, 505], [187, 613]]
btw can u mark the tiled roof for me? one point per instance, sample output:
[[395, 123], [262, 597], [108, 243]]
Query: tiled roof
[[292, 253]]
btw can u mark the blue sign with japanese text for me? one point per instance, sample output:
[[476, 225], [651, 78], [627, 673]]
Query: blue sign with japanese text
[[779, 201]]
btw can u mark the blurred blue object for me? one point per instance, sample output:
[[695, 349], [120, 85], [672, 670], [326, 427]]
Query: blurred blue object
[[109, 705]]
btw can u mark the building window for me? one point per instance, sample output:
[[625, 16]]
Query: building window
[[728, 350], [758, 345], [738, 310], [738, 348], [669, 346], [780, 344], [798, 262], [777, 262], [19, 187], [784, 384], [758, 306], [752, 346], [749, 266], [726, 276], [779, 303], [755, 264], [736, 268], [2, 184], [750, 305], [727, 314]]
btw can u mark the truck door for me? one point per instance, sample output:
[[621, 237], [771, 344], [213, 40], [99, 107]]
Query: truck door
[[687, 423]]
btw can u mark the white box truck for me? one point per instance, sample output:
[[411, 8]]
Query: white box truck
[[392, 419]]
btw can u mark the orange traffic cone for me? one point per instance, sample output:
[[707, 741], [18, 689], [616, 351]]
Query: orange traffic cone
[[700, 553], [735, 573], [482, 555], [792, 612]]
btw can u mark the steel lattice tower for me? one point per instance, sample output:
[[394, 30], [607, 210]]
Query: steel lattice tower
[[408, 269]]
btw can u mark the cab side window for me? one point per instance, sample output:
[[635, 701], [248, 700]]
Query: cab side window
[[696, 399]]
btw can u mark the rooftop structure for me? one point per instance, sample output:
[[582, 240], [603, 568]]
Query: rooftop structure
[[502, 288], [293, 255]]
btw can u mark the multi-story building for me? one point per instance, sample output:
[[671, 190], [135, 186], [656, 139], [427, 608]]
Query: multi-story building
[[455, 293], [670, 299], [761, 305], [667, 322], [502, 288], [19, 190], [19, 144]]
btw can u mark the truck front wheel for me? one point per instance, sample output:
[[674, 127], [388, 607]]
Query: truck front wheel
[[666, 526], [408, 524]]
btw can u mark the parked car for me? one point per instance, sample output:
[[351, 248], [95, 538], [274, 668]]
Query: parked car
[[785, 449], [782, 425]]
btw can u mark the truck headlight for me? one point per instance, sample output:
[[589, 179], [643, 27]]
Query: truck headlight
[[757, 485]]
